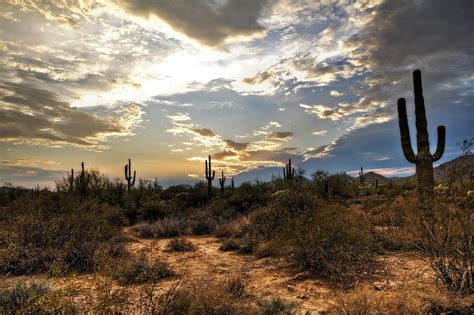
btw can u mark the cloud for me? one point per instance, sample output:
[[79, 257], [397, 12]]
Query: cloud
[[209, 22], [260, 77], [335, 93], [204, 132], [286, 135], [237, 146], [224, 154], [36, 116], [320, 133]]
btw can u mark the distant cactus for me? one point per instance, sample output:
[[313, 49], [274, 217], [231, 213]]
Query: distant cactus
[[423, 159], [288, 172], [156, 184], [128, 175], [222, 182], [83, 181], [71, 180], [376, 183], [326, 187], [361, 176], [232, 183], [209, 177]]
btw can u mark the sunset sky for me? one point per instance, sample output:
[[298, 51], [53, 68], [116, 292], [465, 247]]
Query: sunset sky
[[252, 82]]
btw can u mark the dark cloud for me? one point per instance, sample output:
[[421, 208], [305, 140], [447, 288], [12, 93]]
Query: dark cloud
[[210, 22], [238, 146], [260, 77], [204, 132], [223, 155], [34, 115], [281, 135]]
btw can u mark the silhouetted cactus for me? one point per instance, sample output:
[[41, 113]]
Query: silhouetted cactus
[[326, 187], [209, 177], [361, 176], [128, 175], [83, 181], [156, 183], [423, 159], [376, 183], [71, 180], [232, 183], [222, 182], [288, 171]]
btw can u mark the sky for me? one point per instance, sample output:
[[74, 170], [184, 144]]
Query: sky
[[251, 82]]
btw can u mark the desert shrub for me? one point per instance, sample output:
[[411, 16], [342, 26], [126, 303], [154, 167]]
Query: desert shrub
[[447, 237], [194, 299], [144, 229], [235, 287], [110, 299], [181, 245], [276, 306], [140, 270], [33, 298], [57, 228], [169, 227], [333, 242], [229, 245]]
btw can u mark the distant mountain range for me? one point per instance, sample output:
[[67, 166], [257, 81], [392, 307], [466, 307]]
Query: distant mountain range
[[440, 172]]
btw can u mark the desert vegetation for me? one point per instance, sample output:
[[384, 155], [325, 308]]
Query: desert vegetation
[[331, 243]]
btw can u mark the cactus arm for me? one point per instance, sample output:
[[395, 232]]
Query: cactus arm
[[133, 181], [213, 174], [420, 113], [405, 131], [441, 142], [284, 173], [126, 171]]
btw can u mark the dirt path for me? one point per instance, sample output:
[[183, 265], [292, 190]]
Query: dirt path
[[269, 277]]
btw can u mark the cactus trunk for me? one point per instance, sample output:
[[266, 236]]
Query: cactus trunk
[[210, 174], [423, 159], [128, 175]]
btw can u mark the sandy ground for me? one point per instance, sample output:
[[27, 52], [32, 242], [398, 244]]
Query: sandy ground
[[268, 277]]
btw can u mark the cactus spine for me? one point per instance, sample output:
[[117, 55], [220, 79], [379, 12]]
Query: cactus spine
[[288, 172], [84, 180], [209, 177], [423, 159], [361, 176], [222, 182], [128, 175]]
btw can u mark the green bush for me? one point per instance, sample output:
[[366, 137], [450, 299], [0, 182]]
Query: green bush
[[40, 231], [33, 298], [140, 270], [181, 245], [276, 306]]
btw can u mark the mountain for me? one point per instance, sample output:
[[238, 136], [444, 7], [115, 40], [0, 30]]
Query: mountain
[[371, 177], [464, 164]]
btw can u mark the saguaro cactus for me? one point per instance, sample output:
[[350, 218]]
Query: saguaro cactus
[[288, 171], [71, 180], [128, 175], [361, 176], [423, 159], [83, 181], [209, 177], [222, 182], [232, 183]]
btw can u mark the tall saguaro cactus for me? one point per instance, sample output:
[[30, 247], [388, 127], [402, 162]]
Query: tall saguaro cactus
[[232, 183], [288, 171], [128, 175], [71, 180], [222, 182], [361, 176], [83, 181], [423, 159], [209, 177]]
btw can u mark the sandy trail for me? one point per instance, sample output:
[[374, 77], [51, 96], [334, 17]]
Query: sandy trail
[[269, 277]]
